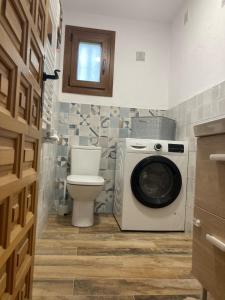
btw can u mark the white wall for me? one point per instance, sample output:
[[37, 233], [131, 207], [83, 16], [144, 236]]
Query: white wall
[[197, 49], [136, 84]]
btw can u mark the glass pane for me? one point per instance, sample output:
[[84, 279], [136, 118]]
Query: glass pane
[[89, 62], [156, 180]]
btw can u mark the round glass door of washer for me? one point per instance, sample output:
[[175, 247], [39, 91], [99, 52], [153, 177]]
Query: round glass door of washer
[[156, 182]]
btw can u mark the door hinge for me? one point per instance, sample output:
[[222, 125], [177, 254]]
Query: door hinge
[[71, 37]]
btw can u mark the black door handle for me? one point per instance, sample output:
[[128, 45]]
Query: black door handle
[[51, 77]]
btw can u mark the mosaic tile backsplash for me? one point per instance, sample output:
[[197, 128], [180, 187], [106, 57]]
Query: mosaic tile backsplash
[[103, 126]]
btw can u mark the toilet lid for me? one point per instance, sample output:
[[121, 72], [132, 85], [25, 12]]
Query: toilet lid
[[85, 180]]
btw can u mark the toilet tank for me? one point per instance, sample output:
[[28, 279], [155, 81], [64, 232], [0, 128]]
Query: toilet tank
[[85, 160]]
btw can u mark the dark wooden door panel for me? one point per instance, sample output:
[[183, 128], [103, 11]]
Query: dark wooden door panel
[[22, 37], [14, 21]]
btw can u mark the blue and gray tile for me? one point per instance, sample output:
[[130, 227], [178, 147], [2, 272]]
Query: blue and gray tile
[[84, 124]]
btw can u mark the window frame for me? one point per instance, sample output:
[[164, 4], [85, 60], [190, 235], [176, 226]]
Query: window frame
[[73, 36]]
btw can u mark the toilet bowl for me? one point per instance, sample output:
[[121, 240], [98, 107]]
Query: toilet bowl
[[84, 190], [84, 185]]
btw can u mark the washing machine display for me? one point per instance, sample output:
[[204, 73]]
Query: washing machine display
[[156, 182]]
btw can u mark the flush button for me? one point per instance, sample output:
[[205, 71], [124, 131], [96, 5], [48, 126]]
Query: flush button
[[158, 147]]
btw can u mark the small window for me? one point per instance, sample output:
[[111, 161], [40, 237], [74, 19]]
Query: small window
[[88, 61]]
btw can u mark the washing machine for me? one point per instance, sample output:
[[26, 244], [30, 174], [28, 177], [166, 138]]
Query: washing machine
[[150, 185]]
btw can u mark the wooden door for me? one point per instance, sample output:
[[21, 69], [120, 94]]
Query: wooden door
[[22, 36]]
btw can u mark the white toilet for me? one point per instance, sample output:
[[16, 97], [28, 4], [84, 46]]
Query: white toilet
[[84, 184]]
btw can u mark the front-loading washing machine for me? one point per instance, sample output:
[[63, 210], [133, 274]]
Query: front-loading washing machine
[[150, 185]]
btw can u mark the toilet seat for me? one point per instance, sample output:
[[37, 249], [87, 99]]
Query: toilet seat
[[85, 180]]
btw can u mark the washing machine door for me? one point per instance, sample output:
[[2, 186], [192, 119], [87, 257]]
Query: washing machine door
[[156, 182]]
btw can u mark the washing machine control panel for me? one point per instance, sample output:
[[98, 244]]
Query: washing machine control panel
[[155, 146]]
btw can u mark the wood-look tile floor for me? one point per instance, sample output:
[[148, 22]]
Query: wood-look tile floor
[[102, 262]]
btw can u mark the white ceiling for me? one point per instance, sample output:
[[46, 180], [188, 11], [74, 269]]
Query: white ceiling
[[155, 10]]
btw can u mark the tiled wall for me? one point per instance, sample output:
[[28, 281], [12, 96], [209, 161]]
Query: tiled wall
[[206, 106], [95, 125], [47, 175], [49, 121], [46, 184]]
